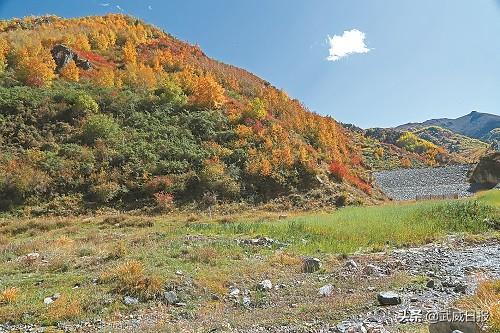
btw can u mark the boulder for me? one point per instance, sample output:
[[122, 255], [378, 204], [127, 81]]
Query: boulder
[[457, 323], [389, 298], [454, 327], [62, 55], [311, 265], [487, 171]]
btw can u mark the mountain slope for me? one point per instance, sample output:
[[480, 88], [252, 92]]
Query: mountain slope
[[462, 146], [475, 124], [109, 111]]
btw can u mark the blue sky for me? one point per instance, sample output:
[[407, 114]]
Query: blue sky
[[421, 58]]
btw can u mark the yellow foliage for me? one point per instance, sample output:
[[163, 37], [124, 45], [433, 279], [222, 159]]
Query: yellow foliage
[[146, 77], [129, 53], [70, 72], [35, 66], [105, 77], [81, 42], [208, 93], [130, 278], [4, 49]]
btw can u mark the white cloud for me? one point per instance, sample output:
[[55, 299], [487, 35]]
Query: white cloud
[[150, 7], [350, 42], [104, 4], [119, 8]]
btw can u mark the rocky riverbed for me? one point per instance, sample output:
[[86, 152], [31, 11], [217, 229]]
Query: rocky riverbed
[[443, 273], [408, 184]]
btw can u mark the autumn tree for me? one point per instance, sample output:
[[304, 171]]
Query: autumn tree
[[256, 109], [4, 49], [70, 72], [104, 77], [35, 66], [208, 93], [129, 53]]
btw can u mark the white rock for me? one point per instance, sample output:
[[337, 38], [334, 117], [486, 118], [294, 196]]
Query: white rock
[[128, 300], [33, 256], [351, 264], [234, 292], [326, 291], [48, 300], [265, 285]]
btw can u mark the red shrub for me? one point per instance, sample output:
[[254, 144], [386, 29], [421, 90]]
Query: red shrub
[[339, 170], [164, 201]]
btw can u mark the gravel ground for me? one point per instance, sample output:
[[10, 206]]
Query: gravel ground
[[407, 184], [454, 267]]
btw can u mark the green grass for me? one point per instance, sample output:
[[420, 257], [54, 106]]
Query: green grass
[[491, 197], [366, 228], [77, 251]]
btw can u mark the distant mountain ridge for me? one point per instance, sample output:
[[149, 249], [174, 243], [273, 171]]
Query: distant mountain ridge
[[475, 124]]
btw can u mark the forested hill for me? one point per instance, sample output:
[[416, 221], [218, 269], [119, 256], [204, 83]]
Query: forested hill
[[110, 111]]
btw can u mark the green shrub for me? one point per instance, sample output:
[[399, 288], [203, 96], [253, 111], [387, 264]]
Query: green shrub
[[102, 127]]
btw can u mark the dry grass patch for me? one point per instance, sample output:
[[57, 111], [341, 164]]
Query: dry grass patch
[[130, 279], [9, 295], [123, 221], [487, 298], [215, 282], [284, 259], [64, 308], [204, 255]]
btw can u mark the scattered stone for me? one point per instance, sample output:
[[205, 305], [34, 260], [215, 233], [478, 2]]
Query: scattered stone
[[373, 270], [351, 264], [311, 265], [180, 273], [129, 300], [246, 302], [180, 304], [48, 300], [431, 284], [265, 285], [32, 256], [389, 298], [234, 292], [170, 297], [326, 291]]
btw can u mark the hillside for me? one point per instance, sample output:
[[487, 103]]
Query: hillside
[[475, 124], [109, 111], [469, 149]]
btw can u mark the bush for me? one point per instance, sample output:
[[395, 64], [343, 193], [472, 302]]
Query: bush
[[101, 127], [338, 170], [105, 192]]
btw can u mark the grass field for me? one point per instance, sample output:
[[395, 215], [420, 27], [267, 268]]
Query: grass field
[[94, 262]]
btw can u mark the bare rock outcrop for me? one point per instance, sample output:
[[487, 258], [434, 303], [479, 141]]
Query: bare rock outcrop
[[63, 55], [487, 172]]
